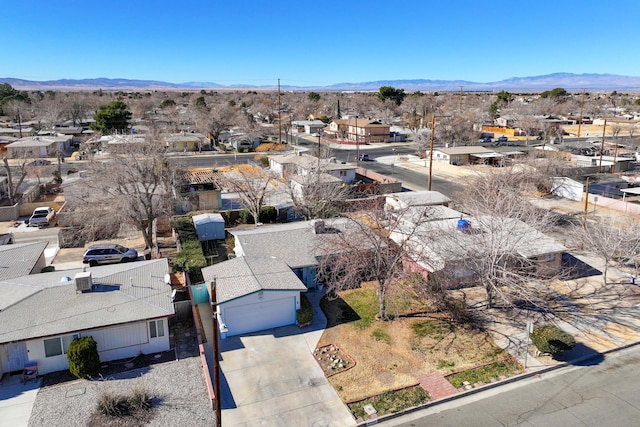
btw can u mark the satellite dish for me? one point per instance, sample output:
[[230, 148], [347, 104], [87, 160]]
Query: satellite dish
[[65, 279], [167, 279]]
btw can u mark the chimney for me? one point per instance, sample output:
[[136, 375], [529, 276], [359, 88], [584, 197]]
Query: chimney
[[318, 226]]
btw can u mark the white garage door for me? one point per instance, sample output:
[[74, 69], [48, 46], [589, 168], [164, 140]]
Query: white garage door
[[257, 317]]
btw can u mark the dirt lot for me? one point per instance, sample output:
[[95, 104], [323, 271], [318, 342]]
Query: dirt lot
[[392, 354]]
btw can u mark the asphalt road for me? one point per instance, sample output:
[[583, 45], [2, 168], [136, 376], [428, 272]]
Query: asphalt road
[[410, 179], [604, 394]]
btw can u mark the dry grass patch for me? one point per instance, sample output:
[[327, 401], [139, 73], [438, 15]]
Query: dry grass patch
[[393, 354]]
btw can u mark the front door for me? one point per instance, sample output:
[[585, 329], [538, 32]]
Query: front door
[[17, 355]]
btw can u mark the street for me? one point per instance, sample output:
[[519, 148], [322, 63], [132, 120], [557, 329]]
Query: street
[[604, 394], [410, 179]]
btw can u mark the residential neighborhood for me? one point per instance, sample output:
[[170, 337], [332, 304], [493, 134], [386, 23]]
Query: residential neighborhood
[[250, 251]]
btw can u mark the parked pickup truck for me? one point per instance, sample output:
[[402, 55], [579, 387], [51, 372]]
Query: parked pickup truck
[[41, 217]]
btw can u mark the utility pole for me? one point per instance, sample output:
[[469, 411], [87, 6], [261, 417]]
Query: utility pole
[[586, 203], [433, 131], [604, 129], [216, 354], [357, 145], [460, 103], [279, 117], [580, 118]]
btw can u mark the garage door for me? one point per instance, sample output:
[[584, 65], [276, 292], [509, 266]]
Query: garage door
[[257, 317]]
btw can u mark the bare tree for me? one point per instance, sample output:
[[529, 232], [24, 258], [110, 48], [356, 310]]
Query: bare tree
[[317, 194], [252, 184], [504, 248], [13, 185], [135, 187], [611, 241], [369, 252]]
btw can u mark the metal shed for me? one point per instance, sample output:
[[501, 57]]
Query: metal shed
[[209, 226]]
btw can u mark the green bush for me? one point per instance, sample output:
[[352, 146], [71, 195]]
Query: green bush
[[83, 357], [190, 258], [551, 339], [305, 314]]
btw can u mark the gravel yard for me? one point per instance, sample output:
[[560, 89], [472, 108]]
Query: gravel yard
[[178, 388]]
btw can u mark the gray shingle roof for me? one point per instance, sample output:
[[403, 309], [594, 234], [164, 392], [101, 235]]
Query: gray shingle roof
[[435, 243], [19, 260], [50, 306], [242, 276], [295, 243]]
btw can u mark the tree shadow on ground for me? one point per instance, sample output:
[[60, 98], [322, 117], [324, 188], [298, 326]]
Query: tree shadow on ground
[[337, 311], [577, 269]]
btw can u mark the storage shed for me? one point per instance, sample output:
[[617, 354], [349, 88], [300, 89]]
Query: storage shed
[[209, 226]]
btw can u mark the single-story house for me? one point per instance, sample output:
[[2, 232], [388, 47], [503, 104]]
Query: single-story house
[[307, 126], [284, 165], [447, 245], [406, 199], [21, 259], [39, 146], [185, 141], [299, 244], [124, 307], [465, 155], [573, 188], [254, 294]]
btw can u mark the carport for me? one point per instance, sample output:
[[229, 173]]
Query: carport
[[492, 158]]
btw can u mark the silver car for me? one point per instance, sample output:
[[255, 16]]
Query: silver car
[[108, 253]]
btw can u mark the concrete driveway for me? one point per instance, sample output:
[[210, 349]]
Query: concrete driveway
[[271, 378], [16, 401]]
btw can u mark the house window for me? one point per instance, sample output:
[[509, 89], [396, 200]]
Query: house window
[[156, 328], [59, 345]]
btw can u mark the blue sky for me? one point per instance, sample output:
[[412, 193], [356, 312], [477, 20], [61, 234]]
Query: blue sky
[[319, 43]]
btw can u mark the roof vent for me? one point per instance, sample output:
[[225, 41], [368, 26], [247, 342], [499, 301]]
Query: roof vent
[[83, 281]]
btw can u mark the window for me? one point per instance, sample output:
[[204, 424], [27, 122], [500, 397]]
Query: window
[[156, 328], [59, 345]]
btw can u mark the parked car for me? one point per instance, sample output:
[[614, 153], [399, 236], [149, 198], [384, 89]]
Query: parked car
[[41, 217], [502, 139], [39, 162], [108, 253], [487, 139]]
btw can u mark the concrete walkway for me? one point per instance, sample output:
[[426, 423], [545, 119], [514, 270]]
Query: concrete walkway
[[16, 401], [271, 377]]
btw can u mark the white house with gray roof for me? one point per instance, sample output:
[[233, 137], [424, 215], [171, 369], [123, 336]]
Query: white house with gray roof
[[124, 307], [254, 294], [284, 165], [39, 146]]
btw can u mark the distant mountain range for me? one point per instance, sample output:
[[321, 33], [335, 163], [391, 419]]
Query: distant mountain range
[[568, 81]]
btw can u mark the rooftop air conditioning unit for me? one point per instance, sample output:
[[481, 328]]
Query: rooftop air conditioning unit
[[83, 281]]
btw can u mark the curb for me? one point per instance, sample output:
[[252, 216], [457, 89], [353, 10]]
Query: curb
[[497, 384]]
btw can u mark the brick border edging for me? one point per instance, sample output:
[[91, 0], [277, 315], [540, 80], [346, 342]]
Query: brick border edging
[[497, 384], [353, 361]]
